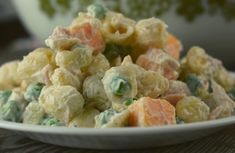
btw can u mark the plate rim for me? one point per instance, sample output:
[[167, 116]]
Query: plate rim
[[20, 127]]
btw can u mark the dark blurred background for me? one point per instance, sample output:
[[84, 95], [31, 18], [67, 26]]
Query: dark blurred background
[[207, 23], [12, 33]]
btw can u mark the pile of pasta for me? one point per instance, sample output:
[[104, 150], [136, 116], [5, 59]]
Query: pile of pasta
[[107, 70]]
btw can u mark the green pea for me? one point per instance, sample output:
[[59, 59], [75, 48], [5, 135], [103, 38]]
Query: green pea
[[33, 91], [193, 83], [4, 96], [119, 86], [51, 121], [10, 111], [106, 115], [97, 10]]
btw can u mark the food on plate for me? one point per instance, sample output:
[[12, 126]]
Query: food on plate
[[106, 70], [151, 112]]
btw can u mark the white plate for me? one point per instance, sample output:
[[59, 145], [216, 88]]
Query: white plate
[[118, 138]]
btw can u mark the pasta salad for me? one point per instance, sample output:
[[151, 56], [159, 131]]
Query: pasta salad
[[106, 70]]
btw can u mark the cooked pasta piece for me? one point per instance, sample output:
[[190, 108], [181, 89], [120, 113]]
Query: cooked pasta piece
[[151, 33], [33, 113], [62, 102], [212, 94], [94, 93], [62, 76], [120, 84], [200, 63], [79, 57], [149, 83], [98, 66], [85, 119], [32, 65], [9, 77], [118, 29], [151, 112], [112, 118], [224, 78], [60, 39], [220, 98], [158, 61], [84, 30], [192, 109]]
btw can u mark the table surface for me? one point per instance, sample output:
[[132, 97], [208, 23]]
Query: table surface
[[220, 142]]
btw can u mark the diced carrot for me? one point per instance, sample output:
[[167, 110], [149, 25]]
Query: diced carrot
[[151, 112], [159, 61], [173, 46], [89, 35]]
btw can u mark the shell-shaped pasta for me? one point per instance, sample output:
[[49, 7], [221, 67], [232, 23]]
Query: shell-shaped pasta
[[224, 78], [151, 32], [98, 66], [85, 119], [74, 60], [176, 91], [118, 29], [192, 109], [159, 61], [62, 102], [197, 60], [33, 113], [85, 18], [120, 84], [62, 76], [219, 97], [32, 66], [151, 84], [212, 94], [94, 93], [84, 30], [111, 118], [60, 39], [8, 75]]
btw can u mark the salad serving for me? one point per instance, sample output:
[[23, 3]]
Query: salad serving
[[106, 70]]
